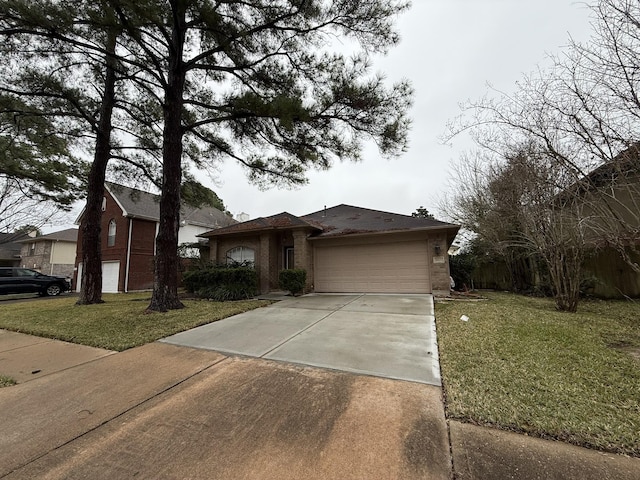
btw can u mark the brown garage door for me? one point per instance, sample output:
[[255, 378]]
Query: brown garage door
[[400, 267]]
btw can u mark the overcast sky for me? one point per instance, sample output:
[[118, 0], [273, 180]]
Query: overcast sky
[[450, 50]]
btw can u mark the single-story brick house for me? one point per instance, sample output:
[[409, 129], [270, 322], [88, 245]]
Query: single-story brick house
[[343, 249]]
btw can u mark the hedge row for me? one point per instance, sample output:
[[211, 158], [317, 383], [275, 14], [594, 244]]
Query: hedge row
[[222, 282]]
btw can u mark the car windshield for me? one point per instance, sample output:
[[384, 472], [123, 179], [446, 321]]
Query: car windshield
[[25, 272]]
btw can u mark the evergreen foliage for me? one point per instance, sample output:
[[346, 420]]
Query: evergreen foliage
[[196, 82], [222, 282], [422, 213], [293, 280]]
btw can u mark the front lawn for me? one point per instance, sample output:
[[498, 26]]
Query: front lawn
[[520, 365], [117, 324]]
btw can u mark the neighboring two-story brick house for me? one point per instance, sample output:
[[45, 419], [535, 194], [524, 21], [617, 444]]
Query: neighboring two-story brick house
[[51, 254], [129, 228]]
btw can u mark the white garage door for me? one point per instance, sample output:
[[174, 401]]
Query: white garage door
[[110, 276], [400, 267]]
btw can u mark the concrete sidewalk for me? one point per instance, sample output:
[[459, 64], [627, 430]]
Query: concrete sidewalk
[[40, 416], [26, 357]]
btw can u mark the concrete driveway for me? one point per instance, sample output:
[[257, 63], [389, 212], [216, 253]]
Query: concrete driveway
[[390, 336]]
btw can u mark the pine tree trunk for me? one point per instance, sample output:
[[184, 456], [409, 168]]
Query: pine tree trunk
[[91, 290], [165, 280]]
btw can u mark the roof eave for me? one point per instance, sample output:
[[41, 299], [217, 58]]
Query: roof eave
[[446, 228], [202, 224], [142, 217], [253, 231]]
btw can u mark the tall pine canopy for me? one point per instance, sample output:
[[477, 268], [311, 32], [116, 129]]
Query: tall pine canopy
[[265, 83]]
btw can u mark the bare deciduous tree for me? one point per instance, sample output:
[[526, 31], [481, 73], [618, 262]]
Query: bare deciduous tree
[[584, 112], [514, 203], [19, 207]]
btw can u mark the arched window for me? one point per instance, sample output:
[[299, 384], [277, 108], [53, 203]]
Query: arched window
[[241, 255], [111, 238]]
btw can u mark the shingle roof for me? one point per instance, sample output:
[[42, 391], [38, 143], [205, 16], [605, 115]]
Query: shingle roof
[[139, 204], [338, 221], [347, 220], [134, 202], [9, 246], [282, 220], [68, 235], [621, 171]]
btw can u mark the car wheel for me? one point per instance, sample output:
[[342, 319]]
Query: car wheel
[[53, 290]]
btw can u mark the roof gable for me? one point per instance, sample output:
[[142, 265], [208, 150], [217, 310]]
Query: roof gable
[[136, 203], [282, 220]]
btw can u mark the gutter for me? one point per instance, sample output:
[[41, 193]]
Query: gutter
[[253, 231], [384, 232]]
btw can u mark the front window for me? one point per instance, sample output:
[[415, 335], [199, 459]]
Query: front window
[[288, 258], [111, 239], [241, 255]]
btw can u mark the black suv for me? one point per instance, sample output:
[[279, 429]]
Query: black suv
[[24, 280]]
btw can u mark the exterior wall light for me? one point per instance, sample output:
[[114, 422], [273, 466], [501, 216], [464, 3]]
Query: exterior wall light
[[436, 248]]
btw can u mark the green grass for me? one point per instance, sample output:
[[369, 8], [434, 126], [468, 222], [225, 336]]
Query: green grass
[[520, 365], [117, 324], [6, 381]]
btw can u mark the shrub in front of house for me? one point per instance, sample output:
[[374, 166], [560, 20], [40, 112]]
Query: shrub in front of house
[[293, 280], [461, 268], [222, 282]]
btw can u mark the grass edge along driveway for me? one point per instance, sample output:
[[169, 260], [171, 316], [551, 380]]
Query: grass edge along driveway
[[118, 324], [518, 364]]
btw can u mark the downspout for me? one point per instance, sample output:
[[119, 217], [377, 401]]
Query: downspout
[[155, 245], [53, 245], [126, 272]]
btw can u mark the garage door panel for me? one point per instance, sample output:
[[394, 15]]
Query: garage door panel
[[110, 276], [376, 268]]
